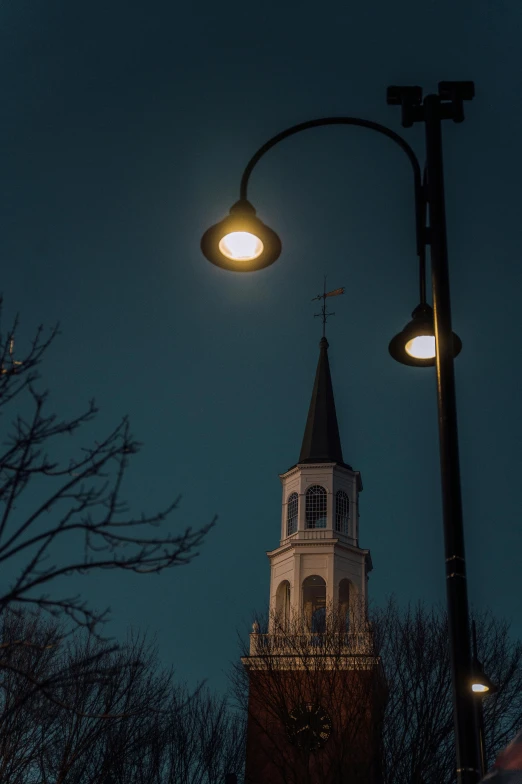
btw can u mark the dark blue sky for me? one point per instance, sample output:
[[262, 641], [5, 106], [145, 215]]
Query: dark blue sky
[[125, 129]]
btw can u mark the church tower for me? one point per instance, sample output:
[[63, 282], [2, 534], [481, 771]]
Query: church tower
[[319, 563], [315, 687]]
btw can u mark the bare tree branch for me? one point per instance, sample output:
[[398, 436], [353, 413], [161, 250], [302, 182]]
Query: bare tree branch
[[79, 501]]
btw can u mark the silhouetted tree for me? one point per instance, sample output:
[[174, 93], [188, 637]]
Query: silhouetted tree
[[90, 714], [109, 712], [27, 667], [417, 730], [202, 741]]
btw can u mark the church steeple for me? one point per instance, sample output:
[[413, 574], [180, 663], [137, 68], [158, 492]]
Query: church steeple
[[321, 441], [317, 654]]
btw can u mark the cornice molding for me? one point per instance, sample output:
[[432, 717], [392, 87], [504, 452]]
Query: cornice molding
[[305, 467], [306, 543]]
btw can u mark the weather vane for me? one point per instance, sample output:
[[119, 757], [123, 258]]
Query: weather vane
[[323, 296]]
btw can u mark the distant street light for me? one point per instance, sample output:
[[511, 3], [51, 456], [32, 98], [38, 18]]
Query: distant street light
[[481, 686], [242, 243]]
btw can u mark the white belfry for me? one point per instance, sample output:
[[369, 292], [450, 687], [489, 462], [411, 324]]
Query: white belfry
[[319, 563]]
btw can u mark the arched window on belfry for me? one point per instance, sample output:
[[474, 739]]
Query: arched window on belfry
[[314, 603], [344, 605], [342, 510], [283, 604], [316, 507], [291, 513]]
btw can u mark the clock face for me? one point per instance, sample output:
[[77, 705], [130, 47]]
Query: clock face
[[309, 726]]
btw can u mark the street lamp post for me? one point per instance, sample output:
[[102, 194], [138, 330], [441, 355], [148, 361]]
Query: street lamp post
[[432, 111], [456, 582], [241, 242]]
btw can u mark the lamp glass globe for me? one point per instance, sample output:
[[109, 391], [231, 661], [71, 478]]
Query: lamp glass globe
[[421, 347], [241, 246]]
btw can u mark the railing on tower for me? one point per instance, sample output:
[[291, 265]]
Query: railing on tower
[[344, 644], [320, 533]]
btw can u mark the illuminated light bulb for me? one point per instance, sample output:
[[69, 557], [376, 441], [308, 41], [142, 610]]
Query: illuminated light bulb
[[421, 347], [479, 687], [241, 246]]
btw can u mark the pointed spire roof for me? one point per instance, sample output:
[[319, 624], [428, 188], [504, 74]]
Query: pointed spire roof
[[321, 441]]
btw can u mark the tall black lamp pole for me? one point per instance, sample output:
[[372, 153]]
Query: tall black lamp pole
[[241, 242], [435, 108]]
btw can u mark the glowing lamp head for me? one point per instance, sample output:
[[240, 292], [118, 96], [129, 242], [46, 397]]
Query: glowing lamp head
[[415, 345], [480, 683], [241, 242], [241, 246]]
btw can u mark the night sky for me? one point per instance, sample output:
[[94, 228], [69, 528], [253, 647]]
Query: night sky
[[125, 127]]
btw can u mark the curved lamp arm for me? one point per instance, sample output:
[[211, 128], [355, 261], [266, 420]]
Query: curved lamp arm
[[420, 202]]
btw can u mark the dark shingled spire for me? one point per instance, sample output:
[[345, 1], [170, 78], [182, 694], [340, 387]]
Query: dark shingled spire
[[321, 442]]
